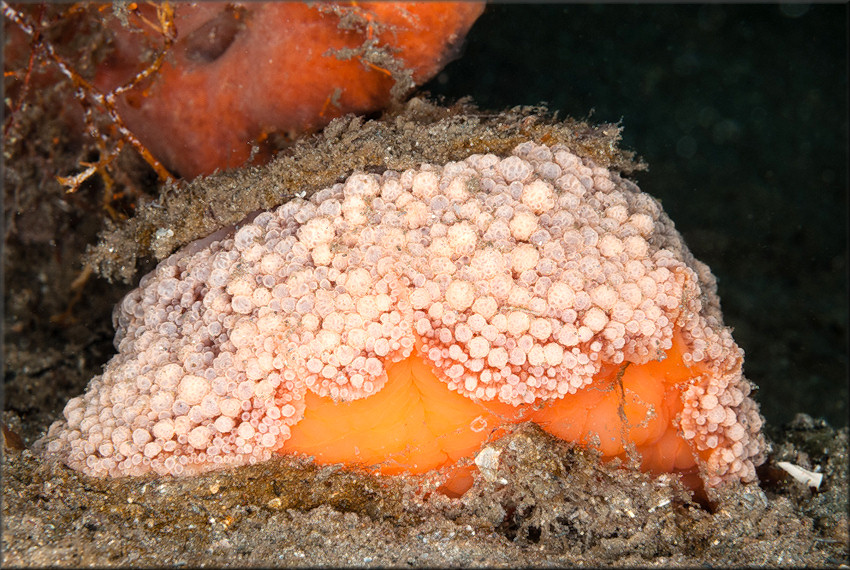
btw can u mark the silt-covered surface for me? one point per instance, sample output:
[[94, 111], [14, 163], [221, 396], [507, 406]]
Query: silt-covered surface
[[544, 504]]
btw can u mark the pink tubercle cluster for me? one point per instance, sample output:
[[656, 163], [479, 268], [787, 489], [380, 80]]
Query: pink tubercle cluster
[[516, 277]]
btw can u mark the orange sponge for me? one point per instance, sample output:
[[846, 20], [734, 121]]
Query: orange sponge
[[238, 75]]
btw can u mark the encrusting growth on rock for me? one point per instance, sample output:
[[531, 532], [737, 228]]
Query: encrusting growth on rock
[[444, 301]]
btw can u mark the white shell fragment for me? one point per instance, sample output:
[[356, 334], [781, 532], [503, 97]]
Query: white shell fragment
[[810, 478], [487, 461]]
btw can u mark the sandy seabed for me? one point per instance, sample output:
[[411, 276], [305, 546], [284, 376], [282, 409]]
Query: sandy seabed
[[545, 504]]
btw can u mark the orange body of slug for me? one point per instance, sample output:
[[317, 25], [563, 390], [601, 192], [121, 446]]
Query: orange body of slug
[[415, 423]]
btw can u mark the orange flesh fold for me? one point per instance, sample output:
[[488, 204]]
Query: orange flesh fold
[[416, 423]]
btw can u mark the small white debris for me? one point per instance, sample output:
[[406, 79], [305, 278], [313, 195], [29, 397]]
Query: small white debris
[[661, 504], [162, 233], [810, 478], [487, 461]]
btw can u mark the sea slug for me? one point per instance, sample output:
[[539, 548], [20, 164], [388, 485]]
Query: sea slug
[[399, 320]]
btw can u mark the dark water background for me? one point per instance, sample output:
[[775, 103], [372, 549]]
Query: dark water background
[[742, 114]]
